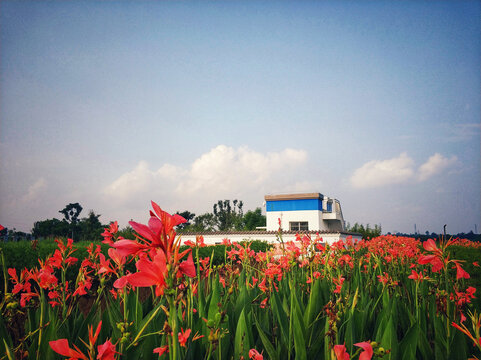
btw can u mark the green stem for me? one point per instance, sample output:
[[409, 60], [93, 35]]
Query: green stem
[[42, 307], [139, 334], [175, 350], [5, 286]]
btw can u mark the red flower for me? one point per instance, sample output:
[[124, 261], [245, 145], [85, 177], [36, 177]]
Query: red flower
[[106, 351], [460, 272], [341, 352], [434, 260], [254, 354], [161, 350], [367, 353], [189, 243], [418, 277], [61, 347], [93, 337], [430, 245], [187, 267], [150, 273], [183, 336]]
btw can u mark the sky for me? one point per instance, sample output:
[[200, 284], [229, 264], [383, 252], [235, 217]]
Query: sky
[[114, 104]]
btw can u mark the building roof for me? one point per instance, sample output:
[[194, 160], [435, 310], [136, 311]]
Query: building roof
[[293, 196]]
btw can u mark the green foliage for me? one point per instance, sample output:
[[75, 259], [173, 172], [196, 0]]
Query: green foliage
[[228, 217], [87, 228], [366, 231], [224, 218], [187, 215], [204, 222], [253, 219]]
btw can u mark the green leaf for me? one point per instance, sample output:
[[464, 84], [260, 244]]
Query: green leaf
[[214, 299], [266, 343], [7, 351], [281, 317], [299, 331], [408, 345], [242, 342], [389, 339]]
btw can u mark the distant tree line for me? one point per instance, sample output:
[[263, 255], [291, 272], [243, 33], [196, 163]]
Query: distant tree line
[[225, 216], [72, 226], [367, 231]]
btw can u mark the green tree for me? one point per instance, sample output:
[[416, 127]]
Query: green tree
[[71, 213], [228, 216], [90, 227], [366, 231], [187, 215], [253, 219], [204, 222], [50, 227]]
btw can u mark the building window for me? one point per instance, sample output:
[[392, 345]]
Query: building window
[[298, 226]]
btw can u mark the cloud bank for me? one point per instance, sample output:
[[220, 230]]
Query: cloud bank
[[222, 173], [398, 170]]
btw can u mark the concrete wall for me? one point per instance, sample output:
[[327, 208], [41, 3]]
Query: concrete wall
[[216, 238]]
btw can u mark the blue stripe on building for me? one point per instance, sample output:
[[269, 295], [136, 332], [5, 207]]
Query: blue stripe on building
[[293, 205]]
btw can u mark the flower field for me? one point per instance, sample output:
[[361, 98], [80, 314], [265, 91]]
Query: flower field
[[384, 298]]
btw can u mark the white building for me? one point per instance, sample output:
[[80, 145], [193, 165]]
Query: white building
[[303, 212], [310, 213]]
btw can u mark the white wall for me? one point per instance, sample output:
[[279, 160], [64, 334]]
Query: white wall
[[313, 217], [216, 238]]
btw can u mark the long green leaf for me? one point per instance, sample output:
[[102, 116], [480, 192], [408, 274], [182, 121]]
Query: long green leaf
[[266, 343], [242, 339]]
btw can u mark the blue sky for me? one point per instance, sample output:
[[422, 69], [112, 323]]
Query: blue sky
[[114, 104]]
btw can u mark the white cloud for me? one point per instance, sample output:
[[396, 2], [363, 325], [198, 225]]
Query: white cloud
[[435, 164], [222, 173], [383, 172], [34, 190], [398, 170]]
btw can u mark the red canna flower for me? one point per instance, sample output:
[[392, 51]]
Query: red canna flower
[[184, 336], [434, 260], [367, 353], [430, 245], [341, 352], [460, 272], [106, 351], [93, 337], [161, 350], [150, 273], [418, 277], [189, 243], [254, 355], [110, 232], [61, 347]]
